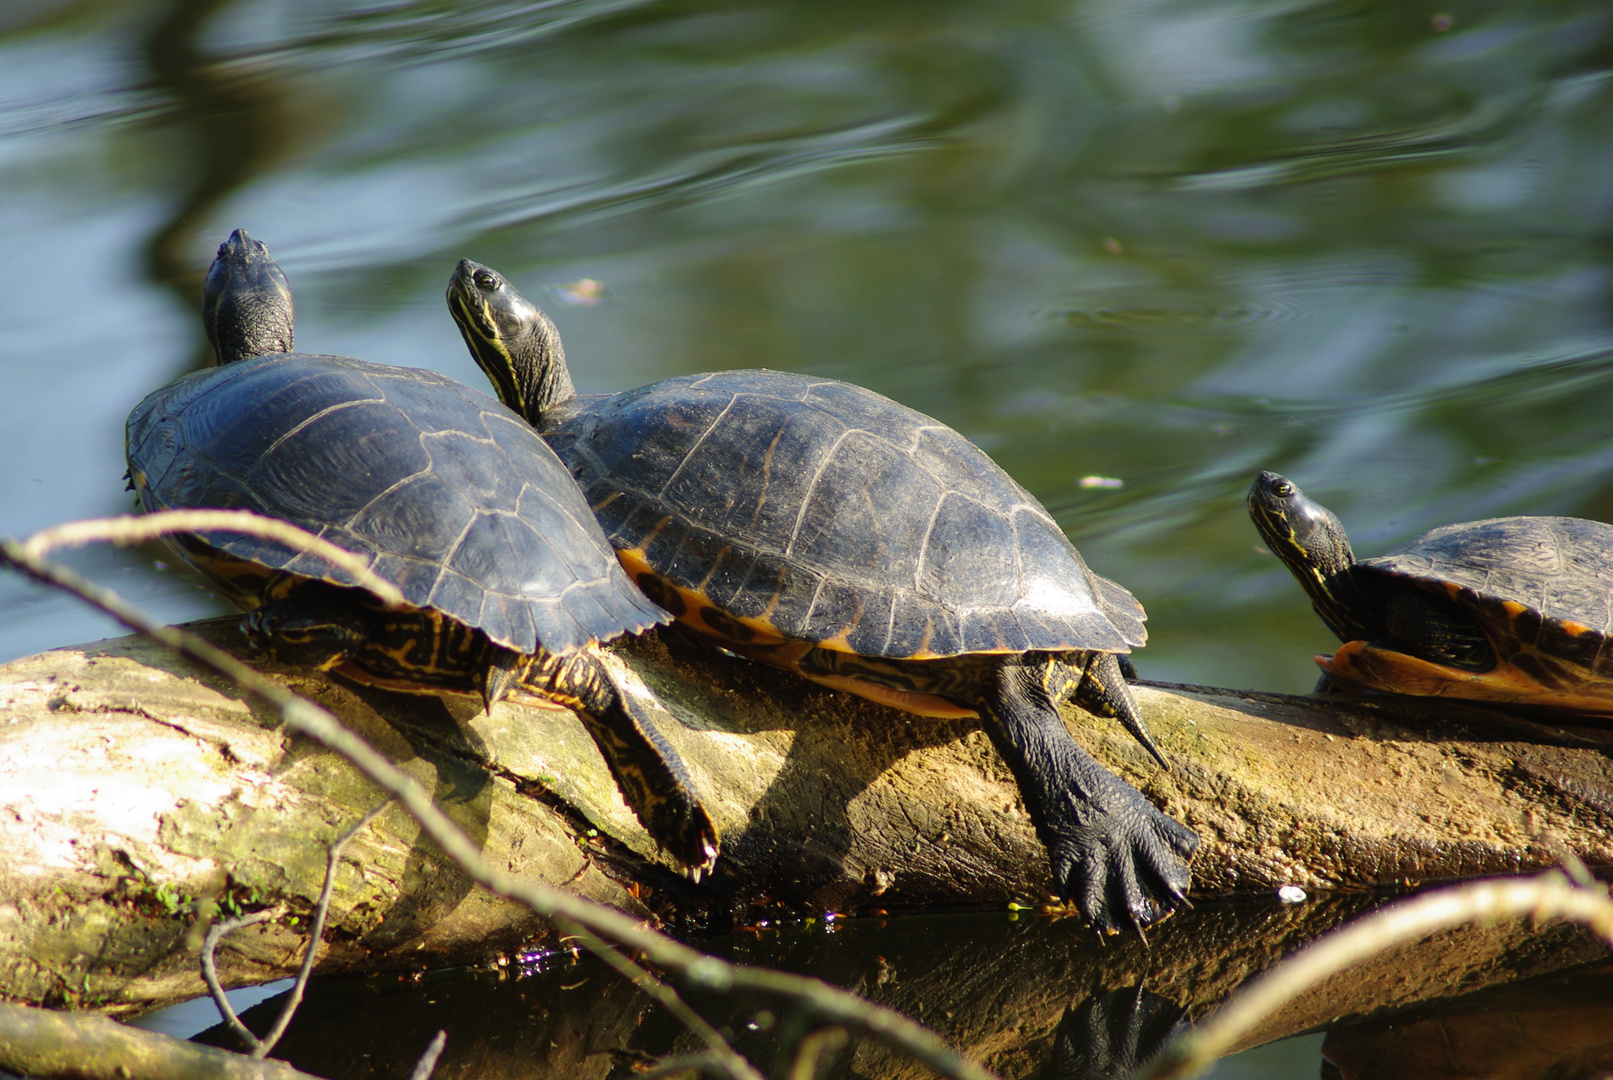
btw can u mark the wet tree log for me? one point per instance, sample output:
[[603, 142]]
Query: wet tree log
[[133, 791]]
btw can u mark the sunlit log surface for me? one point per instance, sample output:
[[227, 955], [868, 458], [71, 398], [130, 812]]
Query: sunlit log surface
[[129, 787]]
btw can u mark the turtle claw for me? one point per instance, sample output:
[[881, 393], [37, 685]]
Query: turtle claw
[[685, 831], [1113, 853], [1122, 861], [1103, 691]]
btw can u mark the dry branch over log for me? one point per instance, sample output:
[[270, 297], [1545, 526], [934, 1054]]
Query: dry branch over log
[[133, 792]]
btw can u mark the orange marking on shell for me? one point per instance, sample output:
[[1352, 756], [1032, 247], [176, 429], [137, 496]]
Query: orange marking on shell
[[765, 633], [1363, 666], [633, 561]]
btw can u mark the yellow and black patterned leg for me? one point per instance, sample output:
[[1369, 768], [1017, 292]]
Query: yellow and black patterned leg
[[1113, 852], [649, 772]]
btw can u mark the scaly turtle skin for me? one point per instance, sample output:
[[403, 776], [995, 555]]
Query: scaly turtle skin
[[1514, 609], [827, 530], [509, 583]]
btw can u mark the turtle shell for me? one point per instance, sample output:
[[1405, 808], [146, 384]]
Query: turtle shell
[[453, 497], [1541, 589], [768, 506]]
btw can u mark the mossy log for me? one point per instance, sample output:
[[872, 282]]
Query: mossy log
[[133, 789]]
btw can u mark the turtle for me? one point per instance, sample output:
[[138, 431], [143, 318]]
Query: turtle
[[508, 580], [1513, 609], [822, 528]]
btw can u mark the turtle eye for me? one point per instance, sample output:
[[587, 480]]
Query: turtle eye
[[485, 279], [1282, 489]]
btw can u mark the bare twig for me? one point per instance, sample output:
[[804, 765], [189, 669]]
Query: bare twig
[[724, 1055], [138, 529], [829, 1004], [260, 1048], [1545, 897], [315, 931], [428, 1059], [812, 1050], [210, 971], [40, 1042]]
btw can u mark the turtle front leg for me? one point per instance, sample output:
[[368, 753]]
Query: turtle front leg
[[1112, 851]]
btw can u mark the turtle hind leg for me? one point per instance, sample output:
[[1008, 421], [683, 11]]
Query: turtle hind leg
[[652, 778], [1112, 851], [1102, 691]]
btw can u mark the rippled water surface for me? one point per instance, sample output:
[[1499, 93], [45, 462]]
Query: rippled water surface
[[1138, 251], [1164, 245]]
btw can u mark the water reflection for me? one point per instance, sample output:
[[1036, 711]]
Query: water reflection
[[1028, 997], [232, 125], [1558, 1027]]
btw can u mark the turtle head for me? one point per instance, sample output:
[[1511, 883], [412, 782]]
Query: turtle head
[[246, 302], [511, 340], [1311, 542]]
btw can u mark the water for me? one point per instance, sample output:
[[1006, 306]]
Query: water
[[1166, 244]]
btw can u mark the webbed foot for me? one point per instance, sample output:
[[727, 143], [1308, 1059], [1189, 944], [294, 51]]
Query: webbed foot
[[1115, 854], [1112, 852]]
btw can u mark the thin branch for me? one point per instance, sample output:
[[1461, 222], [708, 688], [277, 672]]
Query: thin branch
[[40, 1042], [731, 1063], [1545, 897], [428, 1059], [829, 1004], [210, 971], [315, 931], [141, 528], [812, 1049]]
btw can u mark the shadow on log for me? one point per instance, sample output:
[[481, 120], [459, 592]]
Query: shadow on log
[[131, 791]]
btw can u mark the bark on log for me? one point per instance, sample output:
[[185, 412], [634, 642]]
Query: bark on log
[[130, 786]]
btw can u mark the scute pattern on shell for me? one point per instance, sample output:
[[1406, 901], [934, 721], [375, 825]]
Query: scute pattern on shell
[[454, 497], [867, 526], [1560, 570]]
